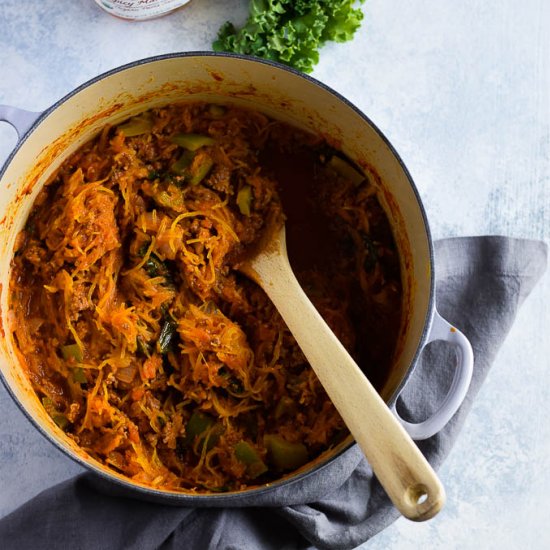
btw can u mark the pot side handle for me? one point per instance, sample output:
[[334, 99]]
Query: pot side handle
[[442, 330], [20, 119]]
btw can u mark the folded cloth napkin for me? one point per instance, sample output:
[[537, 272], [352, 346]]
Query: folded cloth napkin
[[481, 282]]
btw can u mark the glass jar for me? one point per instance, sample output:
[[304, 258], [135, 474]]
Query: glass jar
[[138, 10]]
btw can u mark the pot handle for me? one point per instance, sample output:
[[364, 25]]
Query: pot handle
[[442, 330], [20, 119]]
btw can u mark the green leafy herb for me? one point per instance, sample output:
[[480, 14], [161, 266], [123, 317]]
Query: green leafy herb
[[153, 175], [291, 31], [167, 336], [155, 267]]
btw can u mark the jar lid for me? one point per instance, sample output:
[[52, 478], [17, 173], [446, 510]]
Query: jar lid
[[138, 10]]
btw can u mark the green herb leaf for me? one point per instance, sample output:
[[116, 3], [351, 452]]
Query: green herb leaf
[[167, 336], [291, 31]]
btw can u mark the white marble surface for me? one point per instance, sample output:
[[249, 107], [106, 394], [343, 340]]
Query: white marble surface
[[462, 89]]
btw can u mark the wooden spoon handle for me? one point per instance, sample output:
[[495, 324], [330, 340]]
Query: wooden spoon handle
[[401, 468]]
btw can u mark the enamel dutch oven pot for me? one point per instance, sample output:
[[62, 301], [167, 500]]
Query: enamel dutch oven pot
[[48, 138]]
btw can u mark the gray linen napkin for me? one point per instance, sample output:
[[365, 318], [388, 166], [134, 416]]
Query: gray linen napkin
[[481, 282]]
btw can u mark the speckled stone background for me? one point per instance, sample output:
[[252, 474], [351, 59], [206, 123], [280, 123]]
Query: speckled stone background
[[462, 89]]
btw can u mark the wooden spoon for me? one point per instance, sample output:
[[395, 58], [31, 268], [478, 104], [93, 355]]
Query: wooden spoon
[[401, 468]]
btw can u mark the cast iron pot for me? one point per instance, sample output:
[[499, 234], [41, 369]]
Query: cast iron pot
[[48, 138]]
